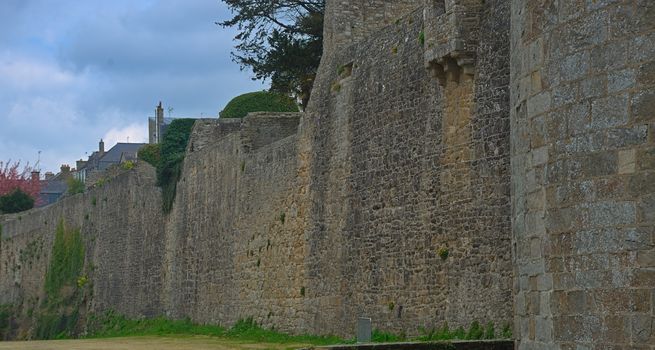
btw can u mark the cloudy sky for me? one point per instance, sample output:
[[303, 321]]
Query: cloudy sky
[[72, 72]]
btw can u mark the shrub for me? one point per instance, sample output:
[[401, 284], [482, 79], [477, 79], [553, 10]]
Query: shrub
[[75, 186], [15, 202], [150, 154], [261, 101]]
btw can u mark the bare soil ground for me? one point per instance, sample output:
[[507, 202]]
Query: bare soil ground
[[146, 343]]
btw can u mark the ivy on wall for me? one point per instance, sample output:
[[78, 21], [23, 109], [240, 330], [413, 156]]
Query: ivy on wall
[[60, 310]]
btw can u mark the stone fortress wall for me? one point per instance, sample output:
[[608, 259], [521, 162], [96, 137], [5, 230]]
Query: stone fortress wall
[[583, 162], [417, 141]]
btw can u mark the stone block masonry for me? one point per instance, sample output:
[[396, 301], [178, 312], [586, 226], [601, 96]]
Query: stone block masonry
[[121, 224], [402, 167], [583, 180]]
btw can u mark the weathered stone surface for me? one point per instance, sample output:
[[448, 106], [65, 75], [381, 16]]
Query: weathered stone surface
[[599, 227], [307, 227]]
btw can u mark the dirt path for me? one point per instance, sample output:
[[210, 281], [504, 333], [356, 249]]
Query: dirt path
[[146, 343]]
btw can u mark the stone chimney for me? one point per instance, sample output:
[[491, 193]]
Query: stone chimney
[[65, 168], [49, 175], [36, 175], [80, 164], [101, 147], [159, 121]]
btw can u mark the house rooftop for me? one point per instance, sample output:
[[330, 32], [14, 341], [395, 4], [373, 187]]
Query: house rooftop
[[115, 153]]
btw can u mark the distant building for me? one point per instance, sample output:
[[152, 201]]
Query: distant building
[[157, 125], [53, 187], [100, 160]]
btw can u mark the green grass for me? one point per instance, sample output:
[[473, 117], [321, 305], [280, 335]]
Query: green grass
[[112, 325], [475, 332]]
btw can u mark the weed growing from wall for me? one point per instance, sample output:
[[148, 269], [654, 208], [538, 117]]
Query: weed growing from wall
[[443, 253], [129, 165]]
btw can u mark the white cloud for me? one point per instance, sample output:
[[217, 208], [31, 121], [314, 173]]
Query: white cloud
[[134, 133], [43, 113], [72, 72], [26, 73]]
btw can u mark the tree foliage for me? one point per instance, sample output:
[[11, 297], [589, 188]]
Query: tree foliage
[[279, 40], [15, 202], [13, 176], [261, 101]]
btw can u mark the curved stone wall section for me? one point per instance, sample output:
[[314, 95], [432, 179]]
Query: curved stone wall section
[[583, 172]]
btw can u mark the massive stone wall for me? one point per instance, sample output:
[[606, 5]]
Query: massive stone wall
[[235, 240], [402, 167], [390, 199], [583, 127], [121, 224]]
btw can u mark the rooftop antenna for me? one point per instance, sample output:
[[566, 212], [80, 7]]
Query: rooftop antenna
[[38, 161]]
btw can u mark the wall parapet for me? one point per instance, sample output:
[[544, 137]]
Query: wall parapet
[[451, 33], [256, 130]]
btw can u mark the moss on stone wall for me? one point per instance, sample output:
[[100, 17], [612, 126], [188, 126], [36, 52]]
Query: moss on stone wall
[[59, 313]]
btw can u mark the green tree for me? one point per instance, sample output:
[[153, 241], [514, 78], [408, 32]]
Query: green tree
[[16, 201], [261, 101], [279, 40]]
